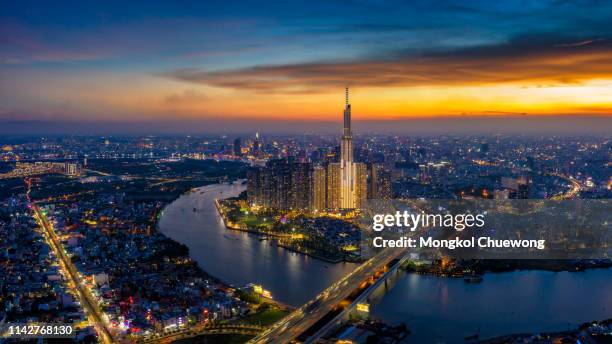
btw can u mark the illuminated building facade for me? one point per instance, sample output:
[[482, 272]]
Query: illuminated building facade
[[333, 186], [301, 185], [348, 180], [319, 189], [361, 185], [379, 186]]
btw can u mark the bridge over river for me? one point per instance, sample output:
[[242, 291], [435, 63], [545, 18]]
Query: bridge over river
[[320, 315]]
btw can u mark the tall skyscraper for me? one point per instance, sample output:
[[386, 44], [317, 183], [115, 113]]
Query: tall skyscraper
[[333, 186], [255, 186], [361, 185], [379, 186], [319, 189], [278, 183], [301, 185], [348, 187]]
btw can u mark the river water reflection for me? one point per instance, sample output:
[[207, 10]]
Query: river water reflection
[[437, 310], [445, 310], [239, 258]]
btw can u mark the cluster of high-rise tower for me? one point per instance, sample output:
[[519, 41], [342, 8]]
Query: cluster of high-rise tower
[[290, 184]]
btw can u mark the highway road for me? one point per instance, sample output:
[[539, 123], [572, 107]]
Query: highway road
[[294, 324], [570, 194], [94, 313]]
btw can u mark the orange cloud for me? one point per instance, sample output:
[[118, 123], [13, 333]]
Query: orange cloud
[[523, 60]]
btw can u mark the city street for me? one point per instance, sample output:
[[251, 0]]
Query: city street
[[94, 314]]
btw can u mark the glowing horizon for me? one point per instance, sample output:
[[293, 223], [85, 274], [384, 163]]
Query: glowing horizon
[[206, 62]]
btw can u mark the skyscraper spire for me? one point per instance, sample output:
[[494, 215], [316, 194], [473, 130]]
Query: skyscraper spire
[[347, 114], [347, 96]]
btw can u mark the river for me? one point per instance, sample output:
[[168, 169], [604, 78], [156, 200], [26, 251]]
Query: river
[[239, 258], [437, 310], [445, 310]]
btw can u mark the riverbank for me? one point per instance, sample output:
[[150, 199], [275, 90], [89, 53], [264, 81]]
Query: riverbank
[[554, 265], [239, 257], [276, 238], [476, 268], [183, 251], [186, 252], [591, 332]]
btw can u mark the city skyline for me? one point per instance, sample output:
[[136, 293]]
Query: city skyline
[[332, 171], [170, 68], [173, 206], [337, 184]]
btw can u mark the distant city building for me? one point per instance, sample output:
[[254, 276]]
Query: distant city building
[[501, 194], [509, 183], [523, 191], [237, 147], [256, 145], [72, 169], [484, 147], [517, 187], [24, 169], [379, 182]]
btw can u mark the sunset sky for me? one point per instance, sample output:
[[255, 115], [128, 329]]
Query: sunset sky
[[249, 62]]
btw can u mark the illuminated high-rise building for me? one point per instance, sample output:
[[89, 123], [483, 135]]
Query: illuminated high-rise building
[[379, 186], [282, 184], [319, 189], [348, 187], [301, 185], [256, 183], [333, 186], [278, 184], [361, 185]]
